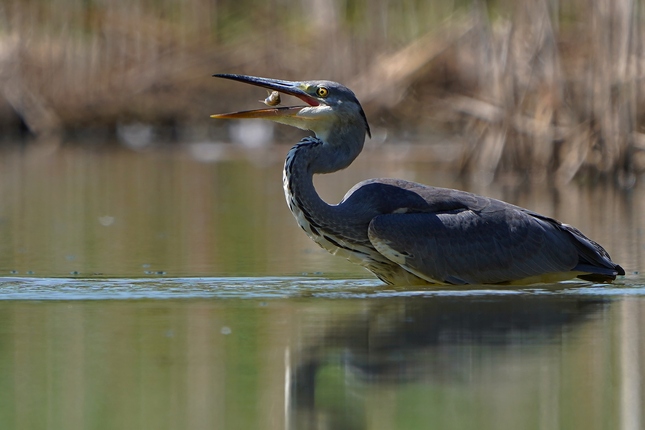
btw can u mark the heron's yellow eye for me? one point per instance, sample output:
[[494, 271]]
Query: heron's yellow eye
[[322, 92]]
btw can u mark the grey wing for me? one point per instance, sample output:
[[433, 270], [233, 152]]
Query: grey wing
[[467, 246]]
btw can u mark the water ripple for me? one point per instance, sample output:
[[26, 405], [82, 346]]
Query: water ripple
[[275, 287]]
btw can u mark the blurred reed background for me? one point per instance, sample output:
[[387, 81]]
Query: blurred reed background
[[551, 88]]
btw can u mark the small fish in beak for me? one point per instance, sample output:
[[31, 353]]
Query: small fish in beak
[[273, 99]]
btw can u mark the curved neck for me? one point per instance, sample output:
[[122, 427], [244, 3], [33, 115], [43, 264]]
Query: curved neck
[[310, 156], [336, 149], [297, 178]]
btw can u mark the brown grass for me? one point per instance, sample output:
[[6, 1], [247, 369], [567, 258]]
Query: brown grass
[[549, 88]]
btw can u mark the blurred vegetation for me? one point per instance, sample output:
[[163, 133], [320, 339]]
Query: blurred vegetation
[[528, 86]]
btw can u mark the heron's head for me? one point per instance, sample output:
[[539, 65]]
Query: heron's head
[[330, 107]]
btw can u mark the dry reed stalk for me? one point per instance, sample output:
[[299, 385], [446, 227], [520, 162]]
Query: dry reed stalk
[[556, 86], [34, 110], [573, 112], [385, 82]]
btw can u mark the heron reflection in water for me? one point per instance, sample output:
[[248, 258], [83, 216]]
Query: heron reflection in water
[[408, 233]]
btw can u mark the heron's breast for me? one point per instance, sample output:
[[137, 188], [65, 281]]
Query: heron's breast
[[358, 253]]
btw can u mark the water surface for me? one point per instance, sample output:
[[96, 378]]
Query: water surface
[[161, 291], [311, 353]]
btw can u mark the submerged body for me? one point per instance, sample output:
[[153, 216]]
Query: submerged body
[[408, 233]]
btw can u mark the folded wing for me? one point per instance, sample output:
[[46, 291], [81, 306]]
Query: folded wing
[[496, 244]]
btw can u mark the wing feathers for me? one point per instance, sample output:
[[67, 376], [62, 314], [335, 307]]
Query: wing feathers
[[475, 247], [453, 236]]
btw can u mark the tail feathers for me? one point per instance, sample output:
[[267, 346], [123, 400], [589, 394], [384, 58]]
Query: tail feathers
[[593, 259], [598, 274]]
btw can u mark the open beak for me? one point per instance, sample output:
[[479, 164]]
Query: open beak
[[296, 89]]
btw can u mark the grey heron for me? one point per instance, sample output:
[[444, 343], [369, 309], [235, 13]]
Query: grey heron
[[408, 233]]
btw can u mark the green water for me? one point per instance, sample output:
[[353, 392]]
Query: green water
[[157, 291]]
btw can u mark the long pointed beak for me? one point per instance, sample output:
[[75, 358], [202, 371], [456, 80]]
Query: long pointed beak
[[285, 87], [261, 113]]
